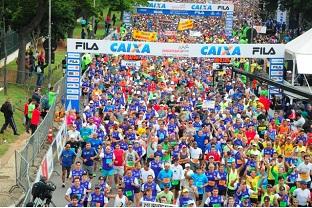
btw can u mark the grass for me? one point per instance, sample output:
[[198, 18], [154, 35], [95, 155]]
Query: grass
[[101, 24], [18, 97]]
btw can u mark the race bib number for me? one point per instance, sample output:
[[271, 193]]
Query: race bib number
[[166, 180], [216, 205], [175, 182], [211, 183], [130, 163], [109, 161], [129, 193], [239, 162], [304, 176], [222, 182], [283, 204]]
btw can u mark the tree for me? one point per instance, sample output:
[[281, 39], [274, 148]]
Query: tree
[[123, 5], [23, 17], [30, 18], [297, 8]]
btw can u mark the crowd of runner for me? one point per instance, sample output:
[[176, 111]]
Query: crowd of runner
[[161, 132]]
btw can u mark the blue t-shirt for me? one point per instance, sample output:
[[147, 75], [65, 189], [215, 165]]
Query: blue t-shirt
[[67, 157], [165, 174], [200, 181]]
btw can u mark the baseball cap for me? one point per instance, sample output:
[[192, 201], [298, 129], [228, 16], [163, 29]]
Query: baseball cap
[[97, 187], [187, 165], [303, 182], [185, 190]]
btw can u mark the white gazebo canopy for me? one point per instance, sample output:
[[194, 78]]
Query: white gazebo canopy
[[300, 50]]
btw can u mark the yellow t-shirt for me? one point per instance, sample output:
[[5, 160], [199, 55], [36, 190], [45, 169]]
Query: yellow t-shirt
[[253, 184], [288, 150], [141, 131]]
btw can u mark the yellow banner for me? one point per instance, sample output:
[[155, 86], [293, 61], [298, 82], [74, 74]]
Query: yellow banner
[[145, 36], [185, 24]]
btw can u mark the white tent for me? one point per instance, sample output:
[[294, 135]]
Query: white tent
[[300, 50]]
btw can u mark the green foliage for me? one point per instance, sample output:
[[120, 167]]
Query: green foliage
[[123, 5], [298, 6]]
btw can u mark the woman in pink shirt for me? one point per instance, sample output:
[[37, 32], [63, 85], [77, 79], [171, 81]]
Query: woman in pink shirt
[[97, 119]]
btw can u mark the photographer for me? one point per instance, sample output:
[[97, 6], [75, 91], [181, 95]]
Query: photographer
[[43, 191]]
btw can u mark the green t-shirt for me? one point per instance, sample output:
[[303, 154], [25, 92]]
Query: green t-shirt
[[168, 195], [31, 108], [51, 97]]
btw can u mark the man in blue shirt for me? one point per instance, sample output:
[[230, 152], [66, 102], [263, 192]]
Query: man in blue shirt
[[200, 181], [165, 176], [67, 159], [88, 155]]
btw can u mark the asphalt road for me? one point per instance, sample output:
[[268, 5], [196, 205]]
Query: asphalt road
[[59, 194]]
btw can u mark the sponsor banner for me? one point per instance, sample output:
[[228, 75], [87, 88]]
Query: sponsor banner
[[170, 33], [126, 18], [73, 75], [260, 29], [277, 75], [195, 33], [44, 167], [188, 6], [156, 204], [281, 16], [144, 36], [136, 64], [185, 24], [176, 49], [50, 161], [179, 12], [229, 24]]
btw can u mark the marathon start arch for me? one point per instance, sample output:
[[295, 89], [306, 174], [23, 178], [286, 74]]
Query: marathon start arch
[[274, 52]]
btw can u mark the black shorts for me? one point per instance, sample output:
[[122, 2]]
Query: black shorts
[[66, 168], [254, 200], [222, 192], [200, 197], [231, 192], [137, 190]]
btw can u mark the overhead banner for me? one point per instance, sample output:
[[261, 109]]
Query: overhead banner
[[187, 9], [188, 6], [144, 36], [176, 49], [179, 12], [185, 24]]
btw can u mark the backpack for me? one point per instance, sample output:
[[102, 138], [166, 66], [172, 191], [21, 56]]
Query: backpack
[[36, 189]]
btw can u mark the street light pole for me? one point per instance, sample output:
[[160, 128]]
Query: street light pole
[[93, 22], [5, 81], [50, 70]]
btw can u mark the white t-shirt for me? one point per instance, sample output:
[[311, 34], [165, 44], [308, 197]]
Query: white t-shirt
[[145, 174], [120, 202], [302, 196], [304, 172], [177, 172], [195, 153], [74, 134]]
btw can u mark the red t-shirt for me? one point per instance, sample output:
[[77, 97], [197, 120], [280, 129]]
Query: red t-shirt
[[26, 109], [118, 157], [215, 155], [35, 119]]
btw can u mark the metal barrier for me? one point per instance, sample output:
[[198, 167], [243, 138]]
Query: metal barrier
[[25, 160]]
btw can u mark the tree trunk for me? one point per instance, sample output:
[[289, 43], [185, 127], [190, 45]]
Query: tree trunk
[[20, 78], [5, 87], [70, 33]]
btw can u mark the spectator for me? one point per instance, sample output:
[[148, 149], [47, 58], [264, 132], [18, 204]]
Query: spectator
[[7, 110]]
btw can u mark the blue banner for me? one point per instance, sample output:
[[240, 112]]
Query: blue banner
[[277, 75], [73, 81], [179, 12]]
